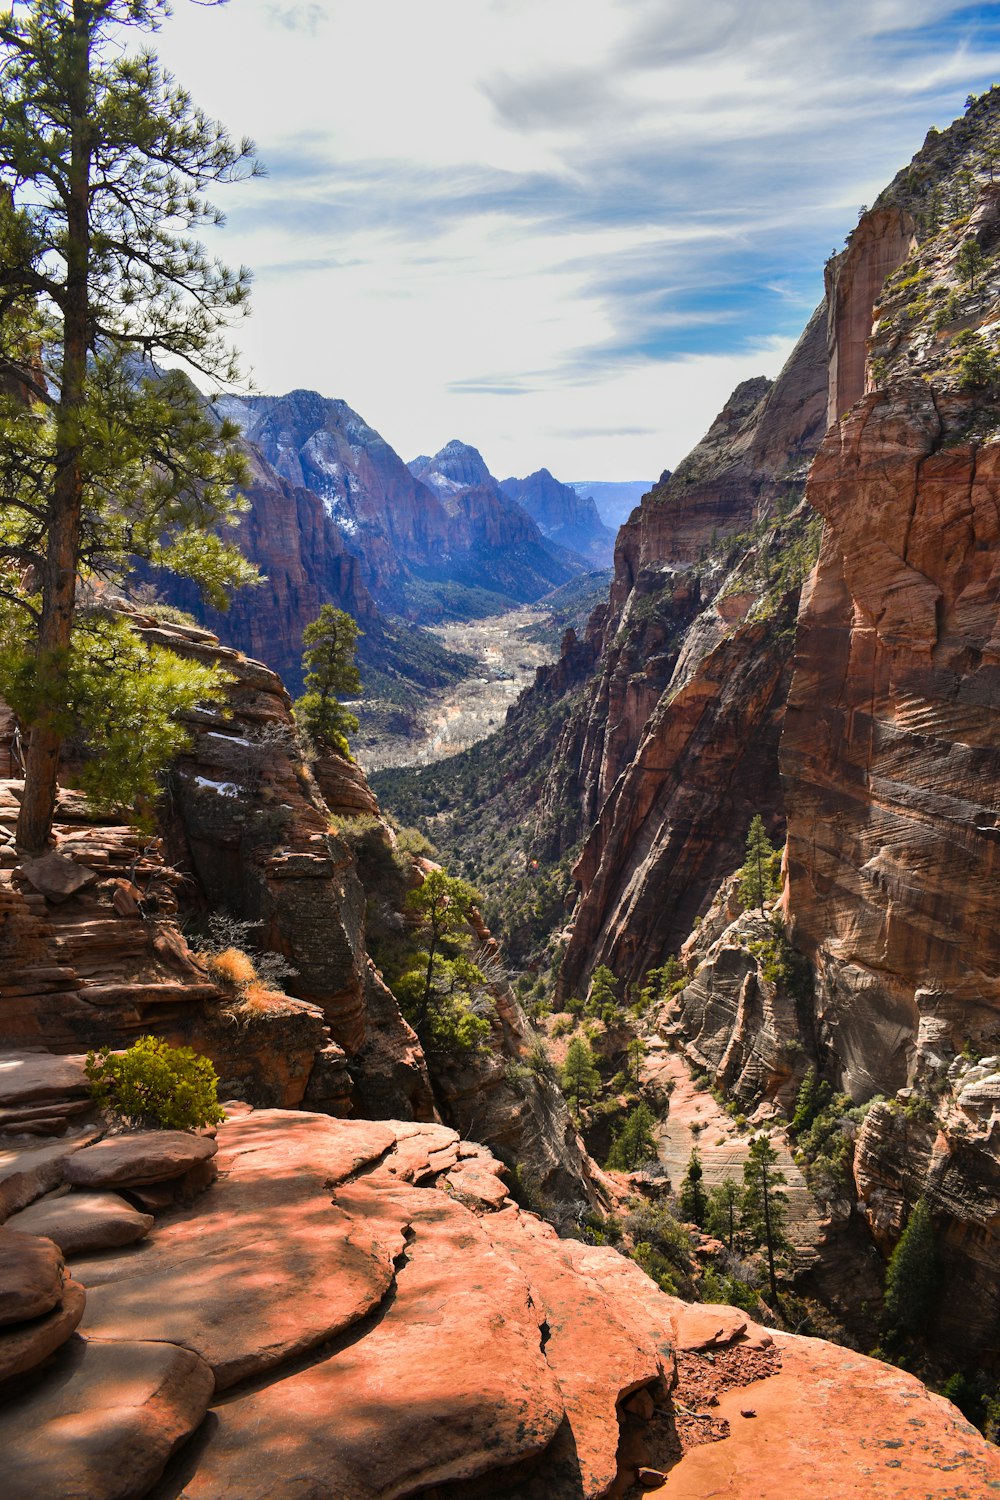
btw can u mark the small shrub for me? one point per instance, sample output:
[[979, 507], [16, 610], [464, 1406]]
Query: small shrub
[[155, 1085]]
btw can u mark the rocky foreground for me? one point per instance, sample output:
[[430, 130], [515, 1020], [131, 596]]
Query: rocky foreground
[[301, 1306]]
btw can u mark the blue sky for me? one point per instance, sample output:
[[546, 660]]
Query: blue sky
[[561, 230]]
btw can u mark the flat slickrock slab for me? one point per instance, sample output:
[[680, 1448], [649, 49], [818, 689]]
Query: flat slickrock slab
[[80, 1223], [26, 1172], [450, 1383], [836, 1425], [25, 1345], [597, 1355], [103, 1423], [33, 1077], [31, 1276], [265, 1265], [147, 1156]]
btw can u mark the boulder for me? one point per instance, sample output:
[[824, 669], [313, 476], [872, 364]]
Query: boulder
[[25, 1345], [56, 876], [31, 1276], [147, 1156], [598, 1353], [26, 1172], [105, 1424], [82, 1222], [874, 1432]]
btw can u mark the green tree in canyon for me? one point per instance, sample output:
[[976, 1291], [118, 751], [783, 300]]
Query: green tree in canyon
[[911, 1276], [765, 1205], [757, 878], [330, 642], [635, 1143], [443, 991], [691, 1200], [580, 1079], [104, 457]]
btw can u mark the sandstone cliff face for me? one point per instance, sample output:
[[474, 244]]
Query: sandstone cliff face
[[889, 755], [679, 747], [305, 563], [383, 515]]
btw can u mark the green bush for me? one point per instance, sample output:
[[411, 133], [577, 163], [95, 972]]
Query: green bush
[[155, 1085]]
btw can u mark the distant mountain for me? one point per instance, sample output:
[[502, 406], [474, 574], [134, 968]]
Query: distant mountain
[[615, 499], [563, 515], [506, 552]]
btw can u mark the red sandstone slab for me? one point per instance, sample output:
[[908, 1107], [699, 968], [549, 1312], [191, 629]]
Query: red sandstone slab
[[30, 1077], [597, 1352], [103, 1422], [80, 1223], [26, 1172], [264, 1266], [31, 1276], [835, 1424], [25, 1345], [147, 1156], [449, 1384]]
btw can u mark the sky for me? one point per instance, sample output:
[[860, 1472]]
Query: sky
[[559, 230]]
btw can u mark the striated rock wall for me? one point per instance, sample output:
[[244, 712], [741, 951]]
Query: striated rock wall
[[678, 748], [890, 754]]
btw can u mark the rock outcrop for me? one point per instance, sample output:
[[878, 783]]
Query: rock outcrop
[[345, 1288]]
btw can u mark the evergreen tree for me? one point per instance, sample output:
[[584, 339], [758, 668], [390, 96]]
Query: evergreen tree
[[581, 1081], [691, 1199], [756, 877], [970, 261], [104, 163], [722, 1211], [330, 669], [635, 1052], [603, 991], [442, 990], [911, 1275], [635, 1143], [764, 1205]]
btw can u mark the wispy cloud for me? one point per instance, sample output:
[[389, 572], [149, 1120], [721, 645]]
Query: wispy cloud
[[605, 212]]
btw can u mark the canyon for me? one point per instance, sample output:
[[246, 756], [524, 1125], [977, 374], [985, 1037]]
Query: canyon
[[803, 624]]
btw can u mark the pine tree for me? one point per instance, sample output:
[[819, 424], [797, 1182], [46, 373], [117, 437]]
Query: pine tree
[[970, 261], [104, 163], [911, 1275], [764, 1205], [722, 1211], [691, 1199], [603, 991], [581, 1081], [756, 878], [635, 1143], [328, 659]]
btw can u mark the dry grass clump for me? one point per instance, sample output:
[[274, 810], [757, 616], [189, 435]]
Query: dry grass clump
[[231, 968]]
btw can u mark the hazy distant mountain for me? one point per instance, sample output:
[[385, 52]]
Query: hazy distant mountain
[[563, 515], [506, 551], [615, 499]]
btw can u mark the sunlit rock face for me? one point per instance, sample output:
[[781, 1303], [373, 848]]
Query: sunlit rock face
[[359, 1309], [677, 743]]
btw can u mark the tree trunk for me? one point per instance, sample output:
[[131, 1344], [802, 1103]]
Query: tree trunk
[[65, 509]]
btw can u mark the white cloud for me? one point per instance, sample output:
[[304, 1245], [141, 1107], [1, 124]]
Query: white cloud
[[554, 197]]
